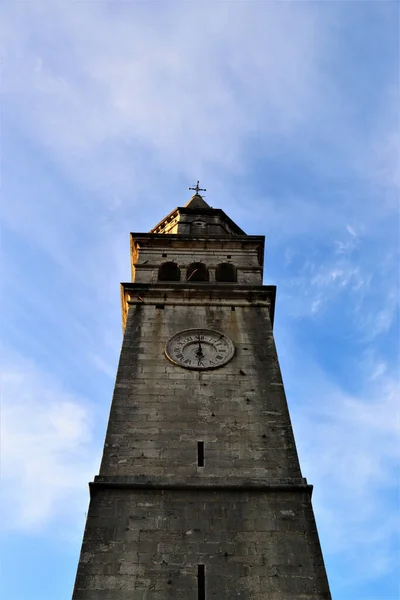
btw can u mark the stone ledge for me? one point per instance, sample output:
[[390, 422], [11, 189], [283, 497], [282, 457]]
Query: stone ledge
[[234, 484], [203, 294]]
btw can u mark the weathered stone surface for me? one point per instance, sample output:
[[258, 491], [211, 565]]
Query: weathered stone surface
[[150, 542], [239, 411], [155, 514]]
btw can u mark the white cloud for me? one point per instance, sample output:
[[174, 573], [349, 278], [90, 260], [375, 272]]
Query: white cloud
[[349, 448], [358, 281], [126, 101], [48, 455], [380, 161], [378, 369], [140, 81], [323, 284], [350, 229], [347, 245], [380, 317], [120, 99]]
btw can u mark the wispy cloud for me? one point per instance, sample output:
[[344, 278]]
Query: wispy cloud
[[190, 98], [349, 444], [290, 112], [47, 449], [354, 273]]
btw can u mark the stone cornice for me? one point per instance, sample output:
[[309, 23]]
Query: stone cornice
[[200, 484], [175, 240], [204, 294]]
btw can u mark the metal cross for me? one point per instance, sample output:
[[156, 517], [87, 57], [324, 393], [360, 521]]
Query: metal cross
[[198, 189]]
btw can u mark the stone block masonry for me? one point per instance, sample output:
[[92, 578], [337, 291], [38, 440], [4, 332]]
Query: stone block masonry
[[147, 544], [156, 515], [200, 495], [160, 410]]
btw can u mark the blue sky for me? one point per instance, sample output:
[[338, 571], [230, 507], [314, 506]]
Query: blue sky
[[288, 113]]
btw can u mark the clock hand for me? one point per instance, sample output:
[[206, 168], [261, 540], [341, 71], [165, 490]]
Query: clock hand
[[199, 351]]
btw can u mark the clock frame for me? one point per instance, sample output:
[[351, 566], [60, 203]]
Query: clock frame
[[199, 349]]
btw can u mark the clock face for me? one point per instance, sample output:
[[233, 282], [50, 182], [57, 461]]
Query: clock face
[[199, 349]]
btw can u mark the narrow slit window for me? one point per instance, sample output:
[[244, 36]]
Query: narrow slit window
[[200, 454], [201, 582]]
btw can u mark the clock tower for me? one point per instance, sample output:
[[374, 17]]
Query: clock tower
[[200, 495]]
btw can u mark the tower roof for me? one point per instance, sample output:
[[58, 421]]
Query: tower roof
[[197, 218], [197, 201]]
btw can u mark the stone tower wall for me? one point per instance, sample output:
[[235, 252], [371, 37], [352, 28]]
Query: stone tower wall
[[159, 513], [147, 545], [160, 411]]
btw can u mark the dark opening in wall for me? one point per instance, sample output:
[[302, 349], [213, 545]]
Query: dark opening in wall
[[201, 582], [197, 272], [225, 272], [169, 271], [198, 228], [200, 454]]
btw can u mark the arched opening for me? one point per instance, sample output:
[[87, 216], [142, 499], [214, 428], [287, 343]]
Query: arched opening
[[225, 272], [169, 271], [197, 272]]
